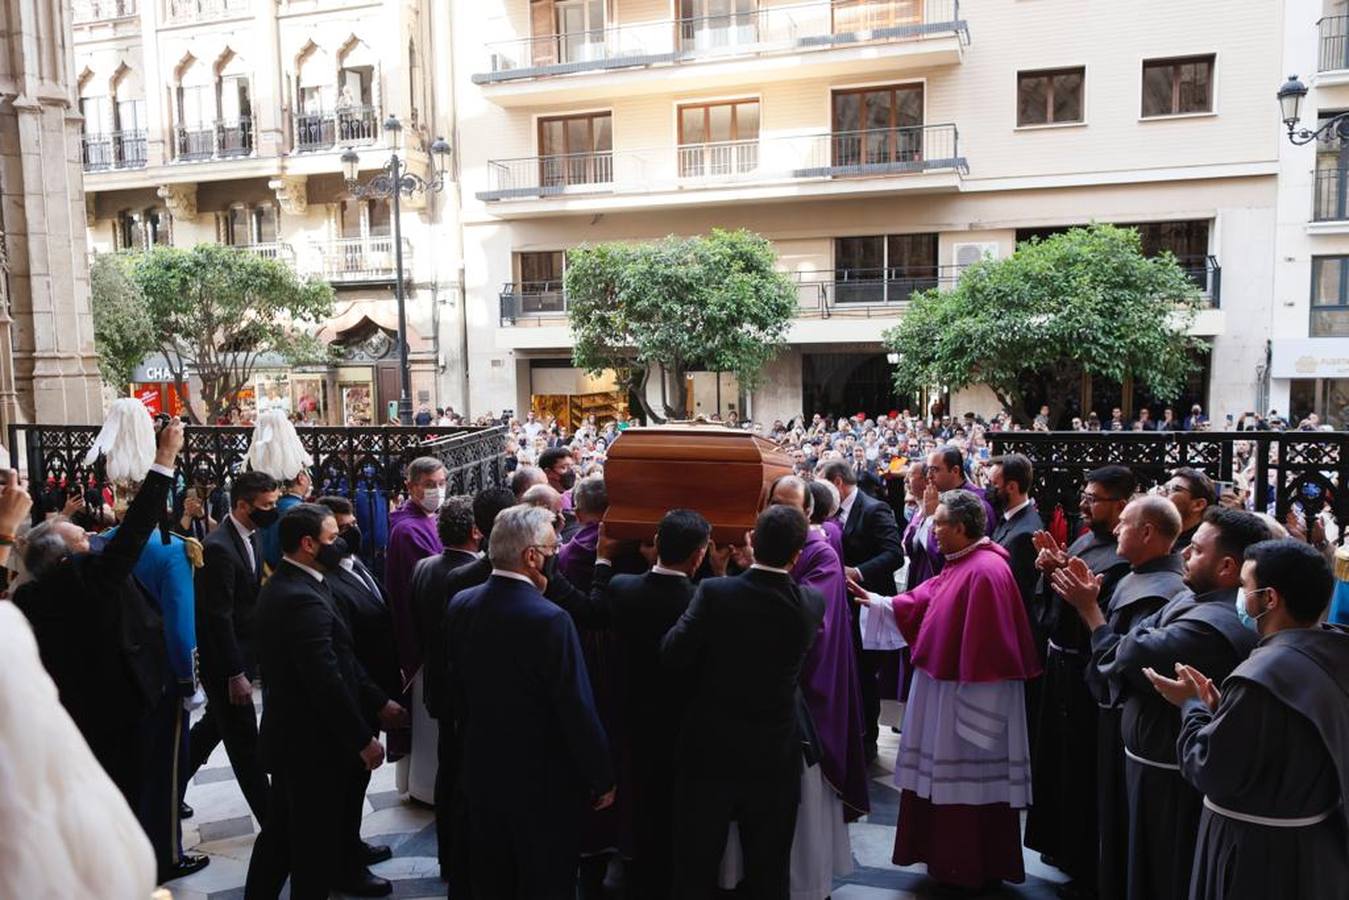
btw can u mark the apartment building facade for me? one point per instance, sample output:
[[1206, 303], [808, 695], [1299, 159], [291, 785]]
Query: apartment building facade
[[880, 144], [225, 120], [1309, 324]]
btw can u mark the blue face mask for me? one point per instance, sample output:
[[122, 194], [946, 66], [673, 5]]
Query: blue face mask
[[1250, 621]]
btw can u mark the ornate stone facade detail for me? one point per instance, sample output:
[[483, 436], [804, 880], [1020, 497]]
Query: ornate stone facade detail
[[291, 194], [181, 200]]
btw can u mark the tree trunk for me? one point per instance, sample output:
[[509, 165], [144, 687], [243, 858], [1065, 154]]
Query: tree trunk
[[637, 380], [678, 407]]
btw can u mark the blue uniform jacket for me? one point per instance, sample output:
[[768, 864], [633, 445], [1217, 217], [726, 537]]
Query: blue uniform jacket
[[165, 572]]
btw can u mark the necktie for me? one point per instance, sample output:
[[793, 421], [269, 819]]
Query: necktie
[[256, 546], [365, 576]]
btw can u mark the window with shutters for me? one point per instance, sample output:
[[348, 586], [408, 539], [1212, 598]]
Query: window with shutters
[[1050, 97], [1177, 86]]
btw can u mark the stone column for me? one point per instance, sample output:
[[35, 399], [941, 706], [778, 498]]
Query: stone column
[[51, 340]]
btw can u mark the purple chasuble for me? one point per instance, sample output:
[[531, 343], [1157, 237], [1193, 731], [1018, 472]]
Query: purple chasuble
[[834, 532], [576, 559], [412, 537], [829, 676]]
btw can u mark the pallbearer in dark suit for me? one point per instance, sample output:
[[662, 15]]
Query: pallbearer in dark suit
[[642, 608], [1270, 750], [363, 606], [316, 715], [227, 597], [742, 643], [534, 754], [872, 553]]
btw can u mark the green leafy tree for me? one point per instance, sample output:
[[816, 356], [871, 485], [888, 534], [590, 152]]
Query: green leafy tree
[[1086, 302], [214, 310], [123, 333], [712, 301]]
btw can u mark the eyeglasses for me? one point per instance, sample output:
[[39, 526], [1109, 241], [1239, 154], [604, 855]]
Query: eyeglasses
[[1088, 497], [1175, 489]]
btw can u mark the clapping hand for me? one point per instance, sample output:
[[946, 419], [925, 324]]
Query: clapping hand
[[1051, 554], [1076, 583], [1189, 684]]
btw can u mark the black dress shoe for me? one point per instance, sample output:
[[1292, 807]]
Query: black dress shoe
[[365, 884], [186, 865], [184, 811], [375, 853]]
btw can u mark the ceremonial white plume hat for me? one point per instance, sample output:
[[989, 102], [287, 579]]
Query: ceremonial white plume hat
[[126, 440], [276, 448]]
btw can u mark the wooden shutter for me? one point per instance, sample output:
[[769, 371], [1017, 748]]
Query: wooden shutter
[[542, 28]]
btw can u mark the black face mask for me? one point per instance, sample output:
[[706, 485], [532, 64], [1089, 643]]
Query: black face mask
[[330, 556], [264, 518], [567, 479], [351, 535]]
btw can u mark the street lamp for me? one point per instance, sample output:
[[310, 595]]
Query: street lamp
[[1291, 95], [392, 182]]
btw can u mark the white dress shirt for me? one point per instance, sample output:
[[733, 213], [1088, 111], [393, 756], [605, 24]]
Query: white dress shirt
[[313, 573], [247, 534]]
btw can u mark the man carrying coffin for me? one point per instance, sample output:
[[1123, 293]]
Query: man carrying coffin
[[964, 761], [1270, 751]]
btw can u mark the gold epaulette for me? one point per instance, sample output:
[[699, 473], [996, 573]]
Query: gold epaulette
[[1342, 563], [192, 547]]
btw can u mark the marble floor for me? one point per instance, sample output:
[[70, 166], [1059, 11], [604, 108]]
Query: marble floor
[[223, 829]]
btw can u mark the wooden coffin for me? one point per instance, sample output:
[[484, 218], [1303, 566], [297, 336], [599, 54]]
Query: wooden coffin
[[722, 473]]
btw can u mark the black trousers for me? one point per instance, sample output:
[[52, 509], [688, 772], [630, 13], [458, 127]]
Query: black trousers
[[521, 851], [765, 812], [871, 663], [305, 829], [349, 862], [237, 726], [451, 812], [157, 802]]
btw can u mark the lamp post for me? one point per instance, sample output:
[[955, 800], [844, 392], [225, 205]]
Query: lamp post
[[1291, 95], [393, 182]]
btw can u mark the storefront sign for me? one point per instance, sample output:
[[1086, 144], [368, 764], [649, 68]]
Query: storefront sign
[[1310, 358]]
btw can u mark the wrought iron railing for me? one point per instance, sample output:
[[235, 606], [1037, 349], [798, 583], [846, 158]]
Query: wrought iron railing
[[277, 250], [364, 464], [114, 150], [882, 152], [325, 130], [225, 139], [85, 11], [1307, 467], [1334, 43], [1330, 196], [362, 259], [794, 27], [205, 10]]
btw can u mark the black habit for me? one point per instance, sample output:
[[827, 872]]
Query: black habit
[[1277, 748]]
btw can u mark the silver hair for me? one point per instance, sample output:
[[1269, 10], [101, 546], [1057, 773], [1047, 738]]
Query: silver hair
[[421, 467], [833, 492], [44, 547], [966, 510], [541, 495], [589, 495], [515, 529]]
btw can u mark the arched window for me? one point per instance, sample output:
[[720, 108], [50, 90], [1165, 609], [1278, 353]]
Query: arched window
[[236, 108], [196, 110], [129, 118], [316, 95], [215, 109], [356, 115], [96, 108]]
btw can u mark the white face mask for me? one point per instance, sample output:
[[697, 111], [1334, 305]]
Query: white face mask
[[432, 498]]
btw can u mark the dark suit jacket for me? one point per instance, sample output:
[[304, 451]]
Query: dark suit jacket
[[227, 603], [367, 615], [316, 705], [740, 645], [531, 736], [642, 608], [871, 544], [431, 594], [1014, 535], [100, 638]]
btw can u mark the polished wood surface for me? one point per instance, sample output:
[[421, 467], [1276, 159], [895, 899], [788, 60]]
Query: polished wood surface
[[721, 472]]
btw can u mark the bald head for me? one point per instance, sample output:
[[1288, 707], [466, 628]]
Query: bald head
[[543, 496], [1161, 514], [789, 490]]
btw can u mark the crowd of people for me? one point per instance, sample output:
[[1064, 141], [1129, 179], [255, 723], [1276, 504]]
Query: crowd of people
[[1159, 695]]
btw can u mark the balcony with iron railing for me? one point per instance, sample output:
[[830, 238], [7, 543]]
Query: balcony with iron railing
[[222, 140], [187, 11], [1330, 195], [1333, 44], [114, 150], [83, 12], [792, 29], [352, 126], [533, 302], [853, 154], [362, 259], [277, 251]]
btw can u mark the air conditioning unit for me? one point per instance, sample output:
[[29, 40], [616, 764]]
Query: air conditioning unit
[[966, 255]]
